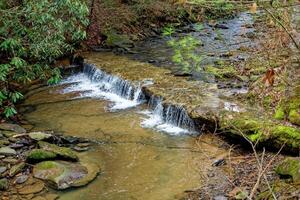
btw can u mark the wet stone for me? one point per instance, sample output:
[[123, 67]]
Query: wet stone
[[12, 127], [2, 169], [62, 175], [16, 169], [80, 149], [10, 160], [39, 136], [32, 189], [21, 179], [7, 151], [16, 146]]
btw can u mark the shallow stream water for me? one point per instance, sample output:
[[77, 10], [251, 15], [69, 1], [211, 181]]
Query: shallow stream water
[[136, 162]]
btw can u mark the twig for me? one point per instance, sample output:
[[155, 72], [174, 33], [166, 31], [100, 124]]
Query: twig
[[285, 29]]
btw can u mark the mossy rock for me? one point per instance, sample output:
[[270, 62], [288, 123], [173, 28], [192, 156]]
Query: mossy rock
[[62, 175], [37, 155], [263, 132], [290, 167], [3, 184], [16, 169], [62, 152], [222, 72]]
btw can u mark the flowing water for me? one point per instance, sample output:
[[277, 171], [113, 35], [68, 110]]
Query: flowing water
[[145, 151]]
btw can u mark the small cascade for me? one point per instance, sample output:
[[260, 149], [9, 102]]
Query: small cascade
[[113, 84], [168, 118], [95, 83]]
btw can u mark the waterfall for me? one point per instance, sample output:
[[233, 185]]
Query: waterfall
[[95, 83], [168, 118], [113, 84]]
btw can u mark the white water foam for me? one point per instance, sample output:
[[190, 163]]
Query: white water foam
[[82, 83], [166, 122], [156, 122]]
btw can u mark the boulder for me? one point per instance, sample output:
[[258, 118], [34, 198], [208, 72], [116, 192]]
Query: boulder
[[39, 135], [62, 175], [290, 167], [3, 184], [37, 155], [12, 127], [62, 152], [7, 151]]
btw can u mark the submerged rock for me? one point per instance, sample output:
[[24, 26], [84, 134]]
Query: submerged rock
[[37, 155], [61, 174], [32, 189], [12, 127], [290, 167], [7, 151], [62, 152]]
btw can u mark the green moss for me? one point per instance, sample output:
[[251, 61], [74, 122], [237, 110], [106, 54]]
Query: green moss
[[254, 137], [40, 154], [46, 165], [294, 117], [224, 71], [62, 152], [279, 113], [290, 167], [286, 135]]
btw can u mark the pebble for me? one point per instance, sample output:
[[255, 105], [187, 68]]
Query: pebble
[[21, 179], [80, 149]]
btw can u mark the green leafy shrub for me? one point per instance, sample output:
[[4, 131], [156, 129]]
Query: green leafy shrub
[[33, 34]]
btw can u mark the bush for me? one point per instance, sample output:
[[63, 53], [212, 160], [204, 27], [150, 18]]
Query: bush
[[33, 34]]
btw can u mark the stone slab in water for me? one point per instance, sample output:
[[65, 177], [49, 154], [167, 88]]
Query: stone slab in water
[[12, 127], [62, 175]]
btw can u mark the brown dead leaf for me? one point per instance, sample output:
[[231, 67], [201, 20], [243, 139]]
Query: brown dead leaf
[[253, 8], [269, 77]]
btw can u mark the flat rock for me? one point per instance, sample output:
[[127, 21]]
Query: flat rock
[[21, 179], [61, 152], [62, 175], [12, 127], [32, 189], [7, 151], [39, 136]]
